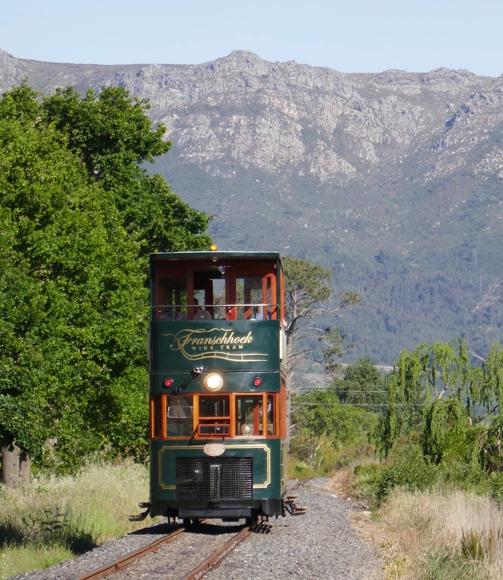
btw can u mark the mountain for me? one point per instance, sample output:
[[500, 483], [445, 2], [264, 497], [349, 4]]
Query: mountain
[[393, 180]]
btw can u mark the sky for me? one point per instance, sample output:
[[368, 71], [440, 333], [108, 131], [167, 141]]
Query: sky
[[348, 36]]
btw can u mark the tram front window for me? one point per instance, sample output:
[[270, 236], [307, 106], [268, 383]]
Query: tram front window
[[249, 415], [214, 416], [179, 416]]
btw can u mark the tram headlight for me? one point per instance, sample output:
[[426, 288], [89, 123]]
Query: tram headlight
[[213, 382]]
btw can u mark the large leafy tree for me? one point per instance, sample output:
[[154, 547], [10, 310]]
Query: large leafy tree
[[73, 298], [321, 425], [113, 137]]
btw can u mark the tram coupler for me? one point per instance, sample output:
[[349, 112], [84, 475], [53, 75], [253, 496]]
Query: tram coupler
[[142, 516], [291, 507]]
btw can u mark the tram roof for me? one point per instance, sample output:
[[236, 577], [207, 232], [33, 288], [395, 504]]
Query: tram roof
[[216, 255]]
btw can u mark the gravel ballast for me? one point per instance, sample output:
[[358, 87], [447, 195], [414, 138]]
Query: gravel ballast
[[322, 544]]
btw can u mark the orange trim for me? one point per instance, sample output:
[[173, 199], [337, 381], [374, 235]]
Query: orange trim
[[282, 296], [164, 416], [274, 298], [234, 427], [234, 310], [256, 418], [211, 418], [264, 414], [195, 413], [159, 404], [265, 297]]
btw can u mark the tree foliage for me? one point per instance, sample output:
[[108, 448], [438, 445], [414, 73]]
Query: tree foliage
[[321, 426], [362, 384], [113, 137], [455, 404], [73, 297]]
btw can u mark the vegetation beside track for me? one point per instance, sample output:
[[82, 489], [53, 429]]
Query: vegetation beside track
[[55, 518], [428, 464]]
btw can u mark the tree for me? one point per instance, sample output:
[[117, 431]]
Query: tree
[[452, 392], [321, 423], [309, 303], [73, 293], [429, 373], [113, 137], [362, 384]]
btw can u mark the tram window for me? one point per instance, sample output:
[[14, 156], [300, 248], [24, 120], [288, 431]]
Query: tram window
[[251, 294], [271, 423], [214, 416], [171, 299], [219, 301], [249, 415], [179, 411]]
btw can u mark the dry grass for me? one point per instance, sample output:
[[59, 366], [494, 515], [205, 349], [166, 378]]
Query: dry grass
[[441, 536]]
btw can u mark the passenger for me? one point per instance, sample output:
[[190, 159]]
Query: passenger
[[180, 316], [258, 312], [201, 313], [165, 314]]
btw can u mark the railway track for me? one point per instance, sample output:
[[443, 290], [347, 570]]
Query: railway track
[[184, 554]]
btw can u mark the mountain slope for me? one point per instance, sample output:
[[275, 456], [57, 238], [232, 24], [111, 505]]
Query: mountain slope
[[394, 180]]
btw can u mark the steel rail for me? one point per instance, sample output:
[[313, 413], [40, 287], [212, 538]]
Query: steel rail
[[130, 558], [213, 560]]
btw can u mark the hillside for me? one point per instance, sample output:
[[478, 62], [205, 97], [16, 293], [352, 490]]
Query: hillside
[[393, 180]]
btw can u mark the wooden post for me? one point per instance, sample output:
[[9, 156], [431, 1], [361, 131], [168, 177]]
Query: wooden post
[[10, 464]]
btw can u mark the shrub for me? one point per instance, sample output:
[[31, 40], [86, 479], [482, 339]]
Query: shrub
[[411, 473], [496, 486], [367, 479], [462, 476]]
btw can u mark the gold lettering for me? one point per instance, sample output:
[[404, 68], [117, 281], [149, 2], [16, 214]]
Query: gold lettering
[[204, 339]]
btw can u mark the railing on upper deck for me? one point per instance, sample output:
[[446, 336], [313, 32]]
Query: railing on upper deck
[[216, 312]]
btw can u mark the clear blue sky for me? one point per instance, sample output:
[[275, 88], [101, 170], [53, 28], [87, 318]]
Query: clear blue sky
[[349, 35]]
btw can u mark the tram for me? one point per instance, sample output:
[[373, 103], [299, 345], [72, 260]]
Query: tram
[[217, 352]]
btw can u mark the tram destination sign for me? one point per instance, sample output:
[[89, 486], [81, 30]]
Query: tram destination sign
[[234, 344]]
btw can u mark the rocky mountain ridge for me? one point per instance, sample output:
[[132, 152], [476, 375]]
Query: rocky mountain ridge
[[392, 179]]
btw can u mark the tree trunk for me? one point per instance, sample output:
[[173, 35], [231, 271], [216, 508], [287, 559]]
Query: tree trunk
[[10, 464], [24, 468]]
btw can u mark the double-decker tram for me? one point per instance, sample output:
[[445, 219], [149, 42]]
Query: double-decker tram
[[217, 388]]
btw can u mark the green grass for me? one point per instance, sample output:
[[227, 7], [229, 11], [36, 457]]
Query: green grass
[[54, 518], [18, 560]]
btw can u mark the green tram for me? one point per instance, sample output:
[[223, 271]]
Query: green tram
[[217, 386]]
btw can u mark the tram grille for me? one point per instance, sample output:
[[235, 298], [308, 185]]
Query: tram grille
[[211, 478]]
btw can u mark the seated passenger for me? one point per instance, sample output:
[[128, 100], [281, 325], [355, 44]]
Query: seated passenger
[[180, 315], [201, 313], [165, 314]]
